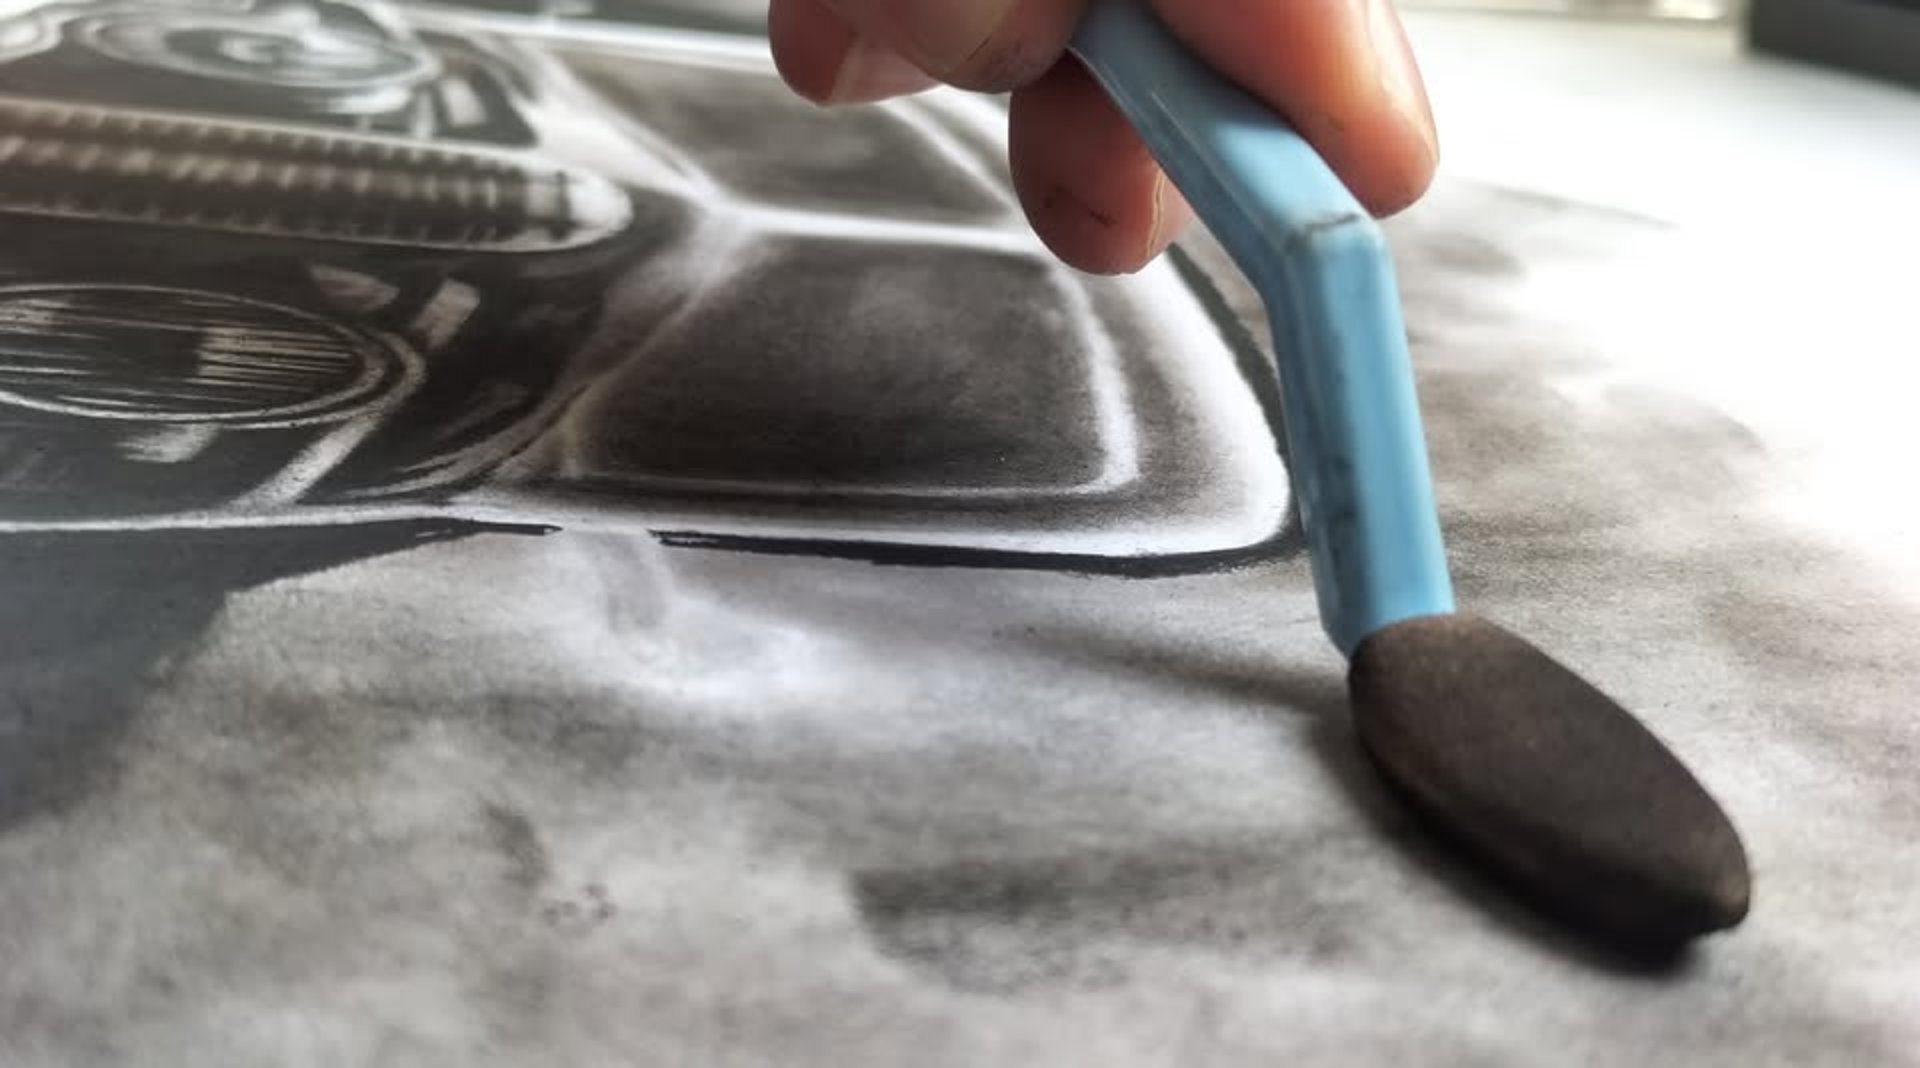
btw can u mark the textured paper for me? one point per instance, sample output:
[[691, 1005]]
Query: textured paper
[[768, 613]]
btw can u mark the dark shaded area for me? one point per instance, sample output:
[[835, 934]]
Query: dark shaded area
[[836, 365], [1019, 386], [1877, 38], [517, 841], [1001, 926], [90, 622]]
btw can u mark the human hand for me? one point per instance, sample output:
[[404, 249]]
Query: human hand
[[1339, 70]]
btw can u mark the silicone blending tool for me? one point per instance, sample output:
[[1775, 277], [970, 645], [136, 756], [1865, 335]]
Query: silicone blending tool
[[1552, 785]]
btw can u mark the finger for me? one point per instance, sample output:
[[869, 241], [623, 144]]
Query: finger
[[988, 45], [1340, 71], [828, 62], [1092, 191]]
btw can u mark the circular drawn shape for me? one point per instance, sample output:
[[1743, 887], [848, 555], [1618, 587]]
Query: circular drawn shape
[[159, 355], [316, 66]]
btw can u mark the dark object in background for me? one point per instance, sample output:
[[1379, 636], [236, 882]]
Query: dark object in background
[[1878, 38]]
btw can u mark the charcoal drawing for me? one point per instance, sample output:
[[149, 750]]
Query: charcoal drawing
[[444, 452], [336, 259]]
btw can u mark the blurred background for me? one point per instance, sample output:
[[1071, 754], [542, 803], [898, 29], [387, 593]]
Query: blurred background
[[1674, 9]]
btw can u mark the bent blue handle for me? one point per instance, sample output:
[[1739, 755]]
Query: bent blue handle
[[1359, 455]]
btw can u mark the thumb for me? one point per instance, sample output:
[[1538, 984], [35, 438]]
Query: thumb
[[988, 45]]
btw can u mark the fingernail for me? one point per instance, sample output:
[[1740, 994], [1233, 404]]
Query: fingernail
[[1168, 215], [872, 71], [1159, 218], [945, 34], [1400, 73], [1171, 214]]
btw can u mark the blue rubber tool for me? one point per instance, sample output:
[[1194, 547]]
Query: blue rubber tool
[[1353, 420], [1560, 790]]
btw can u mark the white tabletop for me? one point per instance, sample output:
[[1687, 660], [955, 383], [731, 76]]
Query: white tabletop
[[1787, 301]]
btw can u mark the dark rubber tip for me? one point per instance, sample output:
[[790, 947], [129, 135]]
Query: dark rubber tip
[[1549, 781]]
